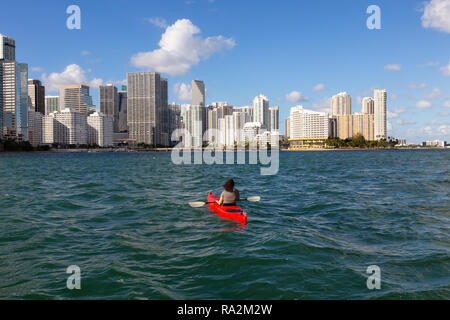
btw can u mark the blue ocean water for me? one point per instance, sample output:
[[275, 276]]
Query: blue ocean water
[[123, 218]]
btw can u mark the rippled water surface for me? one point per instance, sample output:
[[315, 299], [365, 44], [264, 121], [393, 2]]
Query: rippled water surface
[[322, 220]]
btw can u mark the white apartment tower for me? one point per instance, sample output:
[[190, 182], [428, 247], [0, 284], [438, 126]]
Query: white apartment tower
[[261, 111], [274, 118], [100, 129], [307, 124], [380, 126]]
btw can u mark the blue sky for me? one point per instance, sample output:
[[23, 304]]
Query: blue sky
[[294, 52]]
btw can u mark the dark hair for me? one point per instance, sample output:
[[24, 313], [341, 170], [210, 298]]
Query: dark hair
[[229, 185]]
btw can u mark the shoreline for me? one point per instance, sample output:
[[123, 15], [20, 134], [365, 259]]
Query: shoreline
[[75, 151]]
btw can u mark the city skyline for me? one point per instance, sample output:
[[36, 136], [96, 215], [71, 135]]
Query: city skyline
[[418, 105]]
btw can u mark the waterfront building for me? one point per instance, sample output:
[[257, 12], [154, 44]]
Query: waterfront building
[[246, 109], [198, 93], [50, 128], [147, 108], [122, 98], [51, 104], [332, 127], [434, 143], [261, 111], [287, 128], [174, 121], [368, 105], [380, 126], [274, 118], [109, 104], [251, 130], [71, 128], [7, 48], [307, 128], [341, 104], [193, 119], [216, 112], [36, 92], [34, 127], [351, 125], [75, 97], [15, 101], [100, 129]]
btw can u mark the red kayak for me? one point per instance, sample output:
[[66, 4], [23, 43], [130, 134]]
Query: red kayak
[[234, 213]]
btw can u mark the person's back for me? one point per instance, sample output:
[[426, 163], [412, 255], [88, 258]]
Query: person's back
[[230, 195]]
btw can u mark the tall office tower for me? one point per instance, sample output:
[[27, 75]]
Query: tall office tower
[[51, 104], [109, 104], [229, 130], [193, 118], [380, 127], [100, 129], [198, 93], [274, 118], [174, 121], [163, 124], [146, 103], [307, 124], [287, 128], [75, 97], [49, 128], [239, 121], [36, 92], [72, 128], [14, 77], [261, 111], [122, 125], [368, 105], [341, 104], [7, 48], [34, 127]]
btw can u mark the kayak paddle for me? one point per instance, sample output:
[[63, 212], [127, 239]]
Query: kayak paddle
[[198, 204]]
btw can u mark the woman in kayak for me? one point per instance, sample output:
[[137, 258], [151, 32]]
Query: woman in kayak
[[230, 195]]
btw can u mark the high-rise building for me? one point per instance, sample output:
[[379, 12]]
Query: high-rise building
[[14, 77], [216, 112], [109, 104], [307, 124], [380, 126], [198, 93], [123, 126], [147, 108], [36, 92], [51, 104], [261, 111], [247, 109], [351, 125], [368, 105], [287, 128], [174, 121], [193, 119], [274, 118], [75, 97], [71, 128], [100, 129], [34, 127], [341, 104], [7, 48], [252, 130]]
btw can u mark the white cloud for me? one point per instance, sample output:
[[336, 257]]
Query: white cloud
[[435, 93], [395, 113], [159, 22], [436, 15], [445, 70], [85, 53], [323, 105], [423, 104], [183, 91], [37, 69], [95, 83], [319, 87], [72, 74], [446, 104], [393, 67], [296, 96], [444, 129], [418, 86], [180, 49]]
